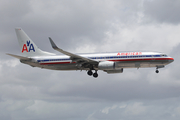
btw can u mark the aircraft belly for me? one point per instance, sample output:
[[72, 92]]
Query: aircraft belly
[[62, 67], [139, 64]]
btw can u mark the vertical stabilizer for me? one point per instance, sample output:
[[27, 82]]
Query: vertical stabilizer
[[27, 46]]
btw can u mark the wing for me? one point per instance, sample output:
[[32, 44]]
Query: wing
[[73, 57]]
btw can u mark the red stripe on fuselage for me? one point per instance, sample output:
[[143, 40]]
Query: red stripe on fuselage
[[170, 59], [145, 59]]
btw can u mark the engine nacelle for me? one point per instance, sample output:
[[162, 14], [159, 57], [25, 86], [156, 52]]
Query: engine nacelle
[[106, 65]]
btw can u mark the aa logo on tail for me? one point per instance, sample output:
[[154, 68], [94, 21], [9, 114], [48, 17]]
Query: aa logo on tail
[[28, 45]]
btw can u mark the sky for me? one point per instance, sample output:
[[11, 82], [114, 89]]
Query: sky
[[88, 26]]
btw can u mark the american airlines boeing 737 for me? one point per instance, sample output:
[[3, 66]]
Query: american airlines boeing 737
[[108, 62]]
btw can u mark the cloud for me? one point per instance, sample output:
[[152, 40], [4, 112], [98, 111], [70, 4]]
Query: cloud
[[106, 110], [162, 11], [135, 109]]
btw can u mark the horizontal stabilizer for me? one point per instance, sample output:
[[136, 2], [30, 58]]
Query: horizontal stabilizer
[[19, 57]]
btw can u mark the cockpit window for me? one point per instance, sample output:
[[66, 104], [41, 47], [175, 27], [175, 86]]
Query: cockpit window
[[163, 55]]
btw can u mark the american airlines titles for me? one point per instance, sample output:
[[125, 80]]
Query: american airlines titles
[[129, 53]]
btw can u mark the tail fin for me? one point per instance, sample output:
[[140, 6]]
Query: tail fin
[[27, 46]]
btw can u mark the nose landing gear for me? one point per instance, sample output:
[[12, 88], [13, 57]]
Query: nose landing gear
[[157, 71], [157, 67]]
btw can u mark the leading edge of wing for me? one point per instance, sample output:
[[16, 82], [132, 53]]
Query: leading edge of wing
[[72, 56]]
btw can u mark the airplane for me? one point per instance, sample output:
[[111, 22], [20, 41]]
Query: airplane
[[108, 62]]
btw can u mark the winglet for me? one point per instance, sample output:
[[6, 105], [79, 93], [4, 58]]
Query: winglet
[[53, 44], [72, 56]]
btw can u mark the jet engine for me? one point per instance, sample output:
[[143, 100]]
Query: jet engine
[[106, 65], [109, 67]]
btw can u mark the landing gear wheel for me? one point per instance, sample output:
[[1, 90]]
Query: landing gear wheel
[[89, 72], [157, 71], [95, 75]]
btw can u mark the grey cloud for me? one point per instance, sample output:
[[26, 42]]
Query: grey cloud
[[163, 11], [175, 67], [12, 10]]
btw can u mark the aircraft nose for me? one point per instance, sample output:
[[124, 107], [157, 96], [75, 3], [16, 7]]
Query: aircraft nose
[[170, 59]]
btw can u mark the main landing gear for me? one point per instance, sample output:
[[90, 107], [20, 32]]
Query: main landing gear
[[90, 73]]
